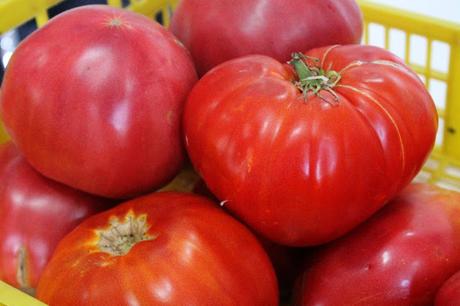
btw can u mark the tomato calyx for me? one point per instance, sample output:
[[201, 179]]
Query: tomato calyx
[[310, 78], [119, 237]]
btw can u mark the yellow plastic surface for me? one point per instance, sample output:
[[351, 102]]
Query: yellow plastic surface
[[9, 296], [15, 12], [443, 168], [3, 135]]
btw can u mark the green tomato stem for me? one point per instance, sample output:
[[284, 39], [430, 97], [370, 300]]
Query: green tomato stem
[[313, 79]]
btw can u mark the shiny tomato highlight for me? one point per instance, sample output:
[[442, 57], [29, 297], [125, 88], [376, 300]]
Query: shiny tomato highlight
[[217, 31], [305, 153], [35, 214], [162, 249], [400, 257], [94, 100]]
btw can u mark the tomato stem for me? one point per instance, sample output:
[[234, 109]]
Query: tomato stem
[[313, 79]]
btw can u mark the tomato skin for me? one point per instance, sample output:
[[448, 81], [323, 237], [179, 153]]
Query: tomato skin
[[217, 31], [103, 115], [304, 172], [199, 256], [449, 293], [401, 256], [35, 213], [286, 260]]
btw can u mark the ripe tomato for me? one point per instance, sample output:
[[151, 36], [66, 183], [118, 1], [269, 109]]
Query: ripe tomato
[[305, 168], [94, 100], [449, 294], [217, 31], [286, 260], [163, 249], [401, 256], [35, 213]]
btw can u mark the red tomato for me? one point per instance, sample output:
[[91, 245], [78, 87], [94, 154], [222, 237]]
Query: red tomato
[[286, 260], [94, 100], [449, 294], [35, 213], [401, 256], [305, 169], [162, 249], [217, 31]]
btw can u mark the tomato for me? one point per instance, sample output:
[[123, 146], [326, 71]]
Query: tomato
[[286, 260], [401, 256], [162, 249], [305, 161], [35, 213], [94, 100], [449, 293], [217, 31]]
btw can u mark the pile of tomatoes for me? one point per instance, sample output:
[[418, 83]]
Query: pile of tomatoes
[[303, 146]]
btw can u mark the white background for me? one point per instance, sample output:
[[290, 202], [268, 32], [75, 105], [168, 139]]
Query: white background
[[444, 9]]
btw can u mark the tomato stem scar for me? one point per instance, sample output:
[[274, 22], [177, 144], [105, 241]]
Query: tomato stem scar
[[119, 237], [22, 273]]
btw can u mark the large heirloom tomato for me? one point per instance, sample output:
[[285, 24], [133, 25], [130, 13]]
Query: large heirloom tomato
[[94, 100], [162, 249], [449, 293], [35, 213], [400, 257], [304, 155], [217, 31]]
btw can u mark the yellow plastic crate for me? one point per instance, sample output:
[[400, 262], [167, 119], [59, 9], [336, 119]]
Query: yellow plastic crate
[[443, 168], [9, 296]]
